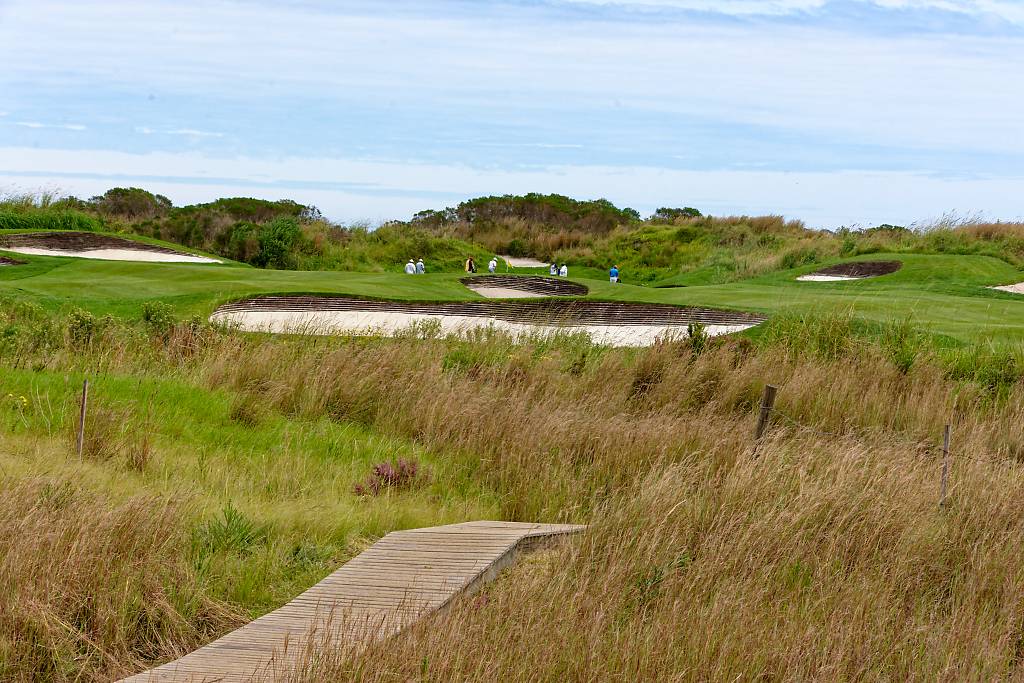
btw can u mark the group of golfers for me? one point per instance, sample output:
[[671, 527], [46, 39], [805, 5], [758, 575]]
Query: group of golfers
[[417, 268]]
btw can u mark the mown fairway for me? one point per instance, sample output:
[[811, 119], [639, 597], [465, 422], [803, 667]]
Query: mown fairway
[[944, 295]]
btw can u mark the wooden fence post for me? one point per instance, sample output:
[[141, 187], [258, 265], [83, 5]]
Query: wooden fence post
[[945, 466], [81, 418], [767, 403]]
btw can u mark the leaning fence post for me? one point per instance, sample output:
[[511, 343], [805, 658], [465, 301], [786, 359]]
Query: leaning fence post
[[945, 466], [767, 403], [81, 418]]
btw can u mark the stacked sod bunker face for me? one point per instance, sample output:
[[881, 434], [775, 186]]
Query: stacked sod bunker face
[[522, 286], [609, 323], [94, 246], [4, 261], [854, 270]]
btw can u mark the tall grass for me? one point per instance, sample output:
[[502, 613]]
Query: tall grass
[[819, 561], [826, 557], [94, 589]]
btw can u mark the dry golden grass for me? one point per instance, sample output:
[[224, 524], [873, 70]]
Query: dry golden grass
[[92, 589], [819, 561], [825, 558]]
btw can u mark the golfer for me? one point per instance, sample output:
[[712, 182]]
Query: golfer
[[470, 265], [553, 269], [410, 268], [420, 268], [613, 274], [492, 265], [564, 270]]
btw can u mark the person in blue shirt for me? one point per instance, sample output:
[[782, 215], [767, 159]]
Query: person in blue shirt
[[420, 268], [613, 274]]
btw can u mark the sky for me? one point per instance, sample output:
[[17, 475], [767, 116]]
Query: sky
[[837, 112]]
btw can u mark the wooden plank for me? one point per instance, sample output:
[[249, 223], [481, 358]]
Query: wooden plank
[[379, 593]]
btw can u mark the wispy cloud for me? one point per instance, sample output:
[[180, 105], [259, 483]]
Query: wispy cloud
[[1008, 10], [190, 132], [733, 7], [58, 126]]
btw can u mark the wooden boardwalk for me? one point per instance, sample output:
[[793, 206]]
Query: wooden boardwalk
[[403, 577]]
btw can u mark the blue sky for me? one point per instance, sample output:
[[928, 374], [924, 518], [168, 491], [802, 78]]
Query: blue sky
[[839, 112]]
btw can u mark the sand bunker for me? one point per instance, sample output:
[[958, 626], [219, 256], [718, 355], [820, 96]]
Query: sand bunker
[[614, 324], [93, 246], [522, 286], [1013, 289], [524, 262], [854, 270]]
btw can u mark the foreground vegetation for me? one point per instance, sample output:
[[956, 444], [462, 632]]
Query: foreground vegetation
[[221, 471]]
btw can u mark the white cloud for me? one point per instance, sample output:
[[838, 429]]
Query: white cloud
[[60, 126], [189, 132], [1009, 10], [937, 92], [734, 7]]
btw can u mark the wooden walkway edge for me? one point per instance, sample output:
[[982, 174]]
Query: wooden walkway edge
[[402, 578]]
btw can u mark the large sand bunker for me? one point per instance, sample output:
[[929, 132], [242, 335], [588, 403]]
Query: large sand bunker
[[854, 270], [522, 286], [615, 324], [93, 246]]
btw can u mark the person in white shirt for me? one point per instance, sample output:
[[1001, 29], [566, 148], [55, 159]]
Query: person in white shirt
[[410, 268], [564, 271], [553, 269], [420, 268], [492, 265]]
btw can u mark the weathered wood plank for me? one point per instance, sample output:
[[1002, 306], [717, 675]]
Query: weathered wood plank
[[391, 585]]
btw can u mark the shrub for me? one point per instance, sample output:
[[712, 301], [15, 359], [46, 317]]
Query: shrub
[[277, 242], [398, 476], [159, 318], [84, 327], [801, 256]]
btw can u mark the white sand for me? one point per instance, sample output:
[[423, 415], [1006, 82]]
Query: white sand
[[1015, 289], [517, 262], [116, 255], [385, 322], [827, 278], [503, 292]]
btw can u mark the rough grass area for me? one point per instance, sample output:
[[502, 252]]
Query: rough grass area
[[226, 473]]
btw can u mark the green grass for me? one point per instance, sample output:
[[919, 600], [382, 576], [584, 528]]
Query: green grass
[[294, 477], [946, 295]]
